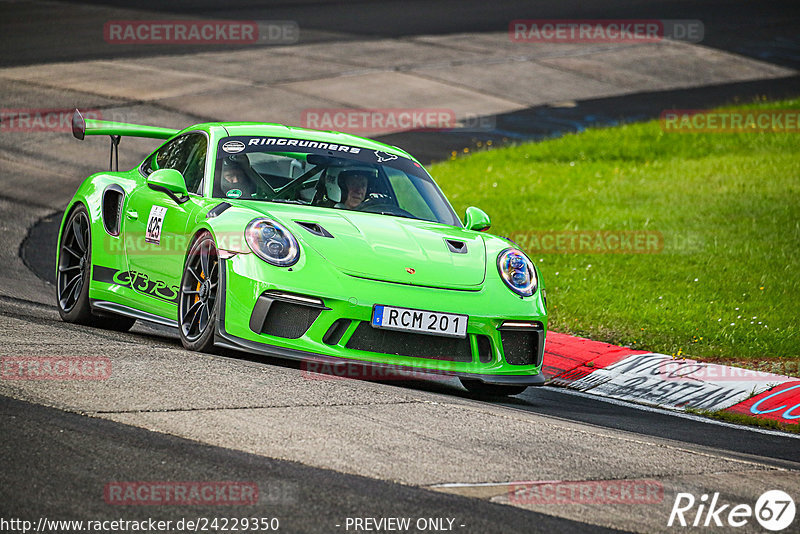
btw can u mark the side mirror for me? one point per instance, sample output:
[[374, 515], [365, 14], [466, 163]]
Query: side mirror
[[476, 219], [167, 180]]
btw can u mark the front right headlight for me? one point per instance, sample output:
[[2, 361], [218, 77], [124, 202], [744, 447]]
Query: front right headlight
[[272, 242], [517, 271]]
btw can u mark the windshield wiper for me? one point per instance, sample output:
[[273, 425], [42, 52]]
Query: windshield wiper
[[286, 201], [399, 215]]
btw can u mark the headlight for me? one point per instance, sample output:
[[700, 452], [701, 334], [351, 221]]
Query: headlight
[[272, 242], [517, 272]]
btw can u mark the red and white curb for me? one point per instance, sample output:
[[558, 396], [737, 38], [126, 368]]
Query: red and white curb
[[663, 381]]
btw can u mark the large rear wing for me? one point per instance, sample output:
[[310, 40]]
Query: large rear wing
[[82, 127]]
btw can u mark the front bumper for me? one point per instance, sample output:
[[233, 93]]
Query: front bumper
[[337, 330]]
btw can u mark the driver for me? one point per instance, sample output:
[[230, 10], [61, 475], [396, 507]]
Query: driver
[[235, 180], [354, 182]]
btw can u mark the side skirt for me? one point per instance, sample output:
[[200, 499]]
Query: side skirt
[[127, 311]]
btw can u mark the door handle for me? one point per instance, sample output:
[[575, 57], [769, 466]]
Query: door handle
[[132, 214]]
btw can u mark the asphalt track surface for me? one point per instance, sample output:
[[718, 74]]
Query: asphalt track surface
[[56, 463], [80, 455], [767, 30]]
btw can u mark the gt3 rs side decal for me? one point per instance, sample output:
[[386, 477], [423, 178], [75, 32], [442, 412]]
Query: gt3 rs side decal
[[136, 280]]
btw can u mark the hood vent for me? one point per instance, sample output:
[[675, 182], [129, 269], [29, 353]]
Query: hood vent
[[455, 246], [315, 229]]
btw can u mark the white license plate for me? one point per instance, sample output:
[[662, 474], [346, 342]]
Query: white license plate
[[422, 321]]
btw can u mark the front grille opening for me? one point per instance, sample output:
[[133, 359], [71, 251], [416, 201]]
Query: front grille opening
[[409, 344], [336, 331], [288, 319], [484, 349], [521, 347]]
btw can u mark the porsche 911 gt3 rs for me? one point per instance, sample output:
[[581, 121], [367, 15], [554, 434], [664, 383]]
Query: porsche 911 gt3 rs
[[310, 245]]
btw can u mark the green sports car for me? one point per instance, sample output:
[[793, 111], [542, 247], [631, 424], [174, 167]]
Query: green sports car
[[318, 246]]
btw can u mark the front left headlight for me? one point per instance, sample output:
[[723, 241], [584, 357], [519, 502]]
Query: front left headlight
[[517, 271], [272, 242]]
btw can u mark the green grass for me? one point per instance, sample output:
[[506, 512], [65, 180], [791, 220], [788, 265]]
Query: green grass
[[726, 285]]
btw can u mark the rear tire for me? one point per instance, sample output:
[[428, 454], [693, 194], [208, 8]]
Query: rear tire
[[72, 276], [197, 300], [490, 390]]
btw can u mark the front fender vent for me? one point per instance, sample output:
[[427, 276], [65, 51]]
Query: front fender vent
[[315, 229], [217, 210], [455, 246]]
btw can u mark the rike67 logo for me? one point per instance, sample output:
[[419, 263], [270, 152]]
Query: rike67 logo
[[774, 510]]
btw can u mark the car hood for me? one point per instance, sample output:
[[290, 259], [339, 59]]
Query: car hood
[[391, 249]]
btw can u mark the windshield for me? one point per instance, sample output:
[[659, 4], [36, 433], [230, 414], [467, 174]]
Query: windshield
[[328, 176]]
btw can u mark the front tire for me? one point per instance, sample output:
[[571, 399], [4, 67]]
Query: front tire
[[490, 390], [72, 276], [197, 300]]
